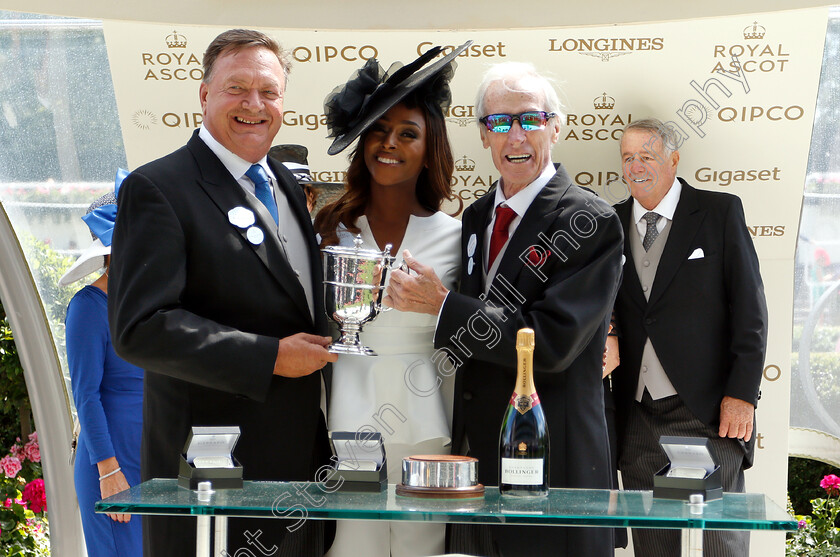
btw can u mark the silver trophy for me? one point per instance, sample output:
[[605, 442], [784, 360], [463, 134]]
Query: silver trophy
[[354, 280]]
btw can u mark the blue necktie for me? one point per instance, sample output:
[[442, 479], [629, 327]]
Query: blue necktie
[[262, 189]]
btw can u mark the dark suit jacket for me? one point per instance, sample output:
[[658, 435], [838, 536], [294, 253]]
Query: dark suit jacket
[[201, 309], [569, 308], [706, 317]]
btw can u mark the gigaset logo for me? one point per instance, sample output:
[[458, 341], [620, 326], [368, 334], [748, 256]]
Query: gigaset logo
[[472, 51], [327, 53], [606, 48]]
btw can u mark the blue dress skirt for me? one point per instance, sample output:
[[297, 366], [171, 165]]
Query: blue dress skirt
[[108, 393]]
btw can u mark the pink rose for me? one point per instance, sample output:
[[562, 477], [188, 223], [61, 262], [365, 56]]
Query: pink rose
[[10, 466], [15, 450], [33, 437], [830, 483], [32, 451], [35, 495]]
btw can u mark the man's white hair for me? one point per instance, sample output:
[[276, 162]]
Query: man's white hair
[[519, 74]]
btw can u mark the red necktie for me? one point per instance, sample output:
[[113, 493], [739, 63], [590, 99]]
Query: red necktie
[[504, 216]]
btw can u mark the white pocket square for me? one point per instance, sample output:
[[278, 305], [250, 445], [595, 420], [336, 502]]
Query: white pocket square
[[697, 254]]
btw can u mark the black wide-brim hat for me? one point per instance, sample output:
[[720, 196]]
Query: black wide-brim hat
[[351, 108]]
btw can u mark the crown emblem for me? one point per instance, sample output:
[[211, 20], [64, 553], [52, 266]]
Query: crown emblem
[[522, 447], [176, 40], [465, 164], [604, 102], [754, 31]]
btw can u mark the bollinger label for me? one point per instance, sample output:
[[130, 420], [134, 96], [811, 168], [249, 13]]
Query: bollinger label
[[523, 403], [522, 471]]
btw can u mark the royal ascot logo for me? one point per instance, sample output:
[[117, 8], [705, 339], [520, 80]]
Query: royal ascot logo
[[467, 185], [604, 102], [176, 41], [460, 114], [144, 119], [465, 164], [599, 125], [754, 31], [752, 55], [496, 50], [338, 53], [173, 64], [605, 49]]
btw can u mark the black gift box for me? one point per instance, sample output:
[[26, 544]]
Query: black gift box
[[210, 443], [351, 451], [693, 468]]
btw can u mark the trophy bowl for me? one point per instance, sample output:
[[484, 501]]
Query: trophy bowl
[[354, 279]]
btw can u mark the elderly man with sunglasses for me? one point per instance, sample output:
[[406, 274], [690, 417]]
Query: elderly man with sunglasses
[[539, 252]]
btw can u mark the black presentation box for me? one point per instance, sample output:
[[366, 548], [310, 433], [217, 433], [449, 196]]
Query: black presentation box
[[693, 468], [208, 457], [359, 462]]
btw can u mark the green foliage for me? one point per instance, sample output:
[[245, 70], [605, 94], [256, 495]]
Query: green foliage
[[818, 534], [825, 339], [12, 386], [47, 267]]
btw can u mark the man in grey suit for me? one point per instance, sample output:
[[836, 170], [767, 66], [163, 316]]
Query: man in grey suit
[[692, 323], [215, 292]]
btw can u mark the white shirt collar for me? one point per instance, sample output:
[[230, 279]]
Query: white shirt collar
[[665, 208], [522, 199], [236, 165]]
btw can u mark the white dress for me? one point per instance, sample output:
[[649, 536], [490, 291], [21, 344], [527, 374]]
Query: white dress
[[400, 392]]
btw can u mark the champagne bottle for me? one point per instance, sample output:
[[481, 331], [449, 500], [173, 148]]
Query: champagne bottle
[[523, 441]]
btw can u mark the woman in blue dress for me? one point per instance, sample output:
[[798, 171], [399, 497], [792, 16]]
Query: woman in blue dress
[[108, 393]]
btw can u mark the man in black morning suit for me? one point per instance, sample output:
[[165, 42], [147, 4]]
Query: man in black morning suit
[[692, 324], [215, 292], [557, 273]]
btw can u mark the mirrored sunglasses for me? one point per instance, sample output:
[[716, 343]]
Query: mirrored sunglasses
[[529, 121]]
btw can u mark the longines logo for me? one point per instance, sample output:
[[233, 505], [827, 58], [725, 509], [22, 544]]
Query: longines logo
[[473, 51], [333, 176], [753, 55], [600, 125], [328, 53], [767, 230], [175, 63], [707, 175], [145, 119], [606, 49], [460, 114]]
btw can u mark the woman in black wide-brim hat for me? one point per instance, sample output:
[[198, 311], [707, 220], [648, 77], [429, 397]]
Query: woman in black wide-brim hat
[[399, 176]]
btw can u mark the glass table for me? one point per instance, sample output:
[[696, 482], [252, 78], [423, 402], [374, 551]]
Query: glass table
[[562, 507]]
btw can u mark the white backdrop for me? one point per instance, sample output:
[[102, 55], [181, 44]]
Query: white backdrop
[[741, 90]]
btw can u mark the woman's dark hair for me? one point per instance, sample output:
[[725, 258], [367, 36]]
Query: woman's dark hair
[[434, 184]]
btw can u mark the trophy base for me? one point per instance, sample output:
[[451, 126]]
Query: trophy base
[[351, 349]]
